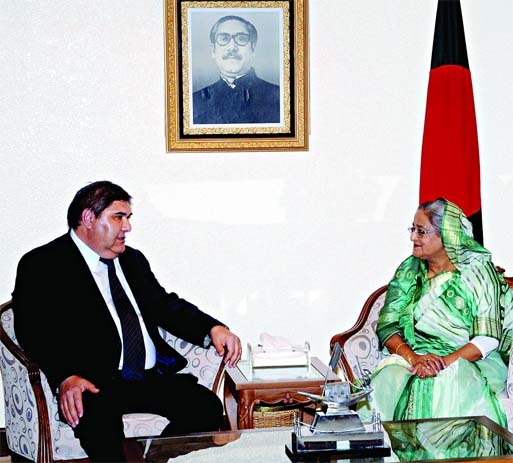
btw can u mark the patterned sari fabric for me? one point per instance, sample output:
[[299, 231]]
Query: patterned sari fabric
[[440, 315]]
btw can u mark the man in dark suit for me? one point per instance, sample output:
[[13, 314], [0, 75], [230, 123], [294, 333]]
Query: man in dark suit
[[239, 96], [66, 317]]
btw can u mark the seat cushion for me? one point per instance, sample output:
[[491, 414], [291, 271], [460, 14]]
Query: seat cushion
[[143, 424]]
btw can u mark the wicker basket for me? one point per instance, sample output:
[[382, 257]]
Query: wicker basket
[[272, 416]]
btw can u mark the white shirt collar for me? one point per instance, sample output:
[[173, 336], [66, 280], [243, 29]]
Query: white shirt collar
[[90, 256], [231, 80]]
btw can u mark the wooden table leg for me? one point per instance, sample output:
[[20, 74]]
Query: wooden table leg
[[247, 402]]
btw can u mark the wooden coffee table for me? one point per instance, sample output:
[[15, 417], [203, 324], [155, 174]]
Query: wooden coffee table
[[245, 387]]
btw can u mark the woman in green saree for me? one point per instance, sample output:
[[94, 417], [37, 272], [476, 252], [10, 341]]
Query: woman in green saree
[[446, 323]]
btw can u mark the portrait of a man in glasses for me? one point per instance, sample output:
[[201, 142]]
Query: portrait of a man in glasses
[[239, 96]]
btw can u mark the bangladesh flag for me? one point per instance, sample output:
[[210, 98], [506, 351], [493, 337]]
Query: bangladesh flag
[[450, 151]]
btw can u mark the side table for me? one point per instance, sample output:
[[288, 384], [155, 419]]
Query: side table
[[245, 387]]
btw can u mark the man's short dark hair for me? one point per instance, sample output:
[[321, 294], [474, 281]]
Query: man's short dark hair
[[253, 34], [96, 196]]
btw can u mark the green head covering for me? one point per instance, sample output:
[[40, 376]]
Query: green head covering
[[457, 238]]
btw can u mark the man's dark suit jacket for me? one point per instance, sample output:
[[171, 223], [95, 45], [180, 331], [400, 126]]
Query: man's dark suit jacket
[[252, 101], [62, 320]]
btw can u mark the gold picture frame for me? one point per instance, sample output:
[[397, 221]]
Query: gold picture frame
[[197, 117]]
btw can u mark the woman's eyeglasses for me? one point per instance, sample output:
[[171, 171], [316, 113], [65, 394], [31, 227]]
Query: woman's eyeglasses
[[420, 231]]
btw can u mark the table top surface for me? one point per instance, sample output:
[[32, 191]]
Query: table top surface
[[443, 439], [245, 376]]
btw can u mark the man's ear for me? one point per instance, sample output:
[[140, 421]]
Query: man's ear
[[87, 218]]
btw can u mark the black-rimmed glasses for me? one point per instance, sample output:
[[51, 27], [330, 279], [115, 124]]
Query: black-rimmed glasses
[[420, 231], [240, 38]]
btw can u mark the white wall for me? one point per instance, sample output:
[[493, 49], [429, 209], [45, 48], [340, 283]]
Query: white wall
[[288, 243]]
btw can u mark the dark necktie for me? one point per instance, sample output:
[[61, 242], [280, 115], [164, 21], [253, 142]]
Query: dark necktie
[[134, 353]]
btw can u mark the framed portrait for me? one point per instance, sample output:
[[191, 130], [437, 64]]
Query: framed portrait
[[236, 75]]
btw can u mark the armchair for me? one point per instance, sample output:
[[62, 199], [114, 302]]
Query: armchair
[[33, 430]]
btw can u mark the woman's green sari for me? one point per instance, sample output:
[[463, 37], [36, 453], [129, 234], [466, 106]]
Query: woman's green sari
[[440, 315]]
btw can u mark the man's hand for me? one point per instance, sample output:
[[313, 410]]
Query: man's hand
[[226, 344], [70, 398]]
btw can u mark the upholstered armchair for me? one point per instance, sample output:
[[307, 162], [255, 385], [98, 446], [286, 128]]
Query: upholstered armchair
[[361, 353], [360, 345], [32, 427]]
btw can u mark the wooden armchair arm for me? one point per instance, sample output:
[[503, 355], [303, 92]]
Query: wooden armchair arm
[[31, 366], [341, 338], [45, 451], [361, 333]]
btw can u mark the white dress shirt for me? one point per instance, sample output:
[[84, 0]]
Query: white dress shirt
[[101, 276]]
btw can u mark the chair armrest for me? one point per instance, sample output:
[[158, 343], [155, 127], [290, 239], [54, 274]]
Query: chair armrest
[[359, 343], [45, 452], [206, 364]]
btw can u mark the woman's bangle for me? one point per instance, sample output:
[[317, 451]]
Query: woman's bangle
[[399, 347]]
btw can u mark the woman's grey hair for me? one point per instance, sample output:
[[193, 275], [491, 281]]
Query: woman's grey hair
[[434, 211]]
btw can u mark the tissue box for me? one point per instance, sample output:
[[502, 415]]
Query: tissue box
[[264, 357]]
